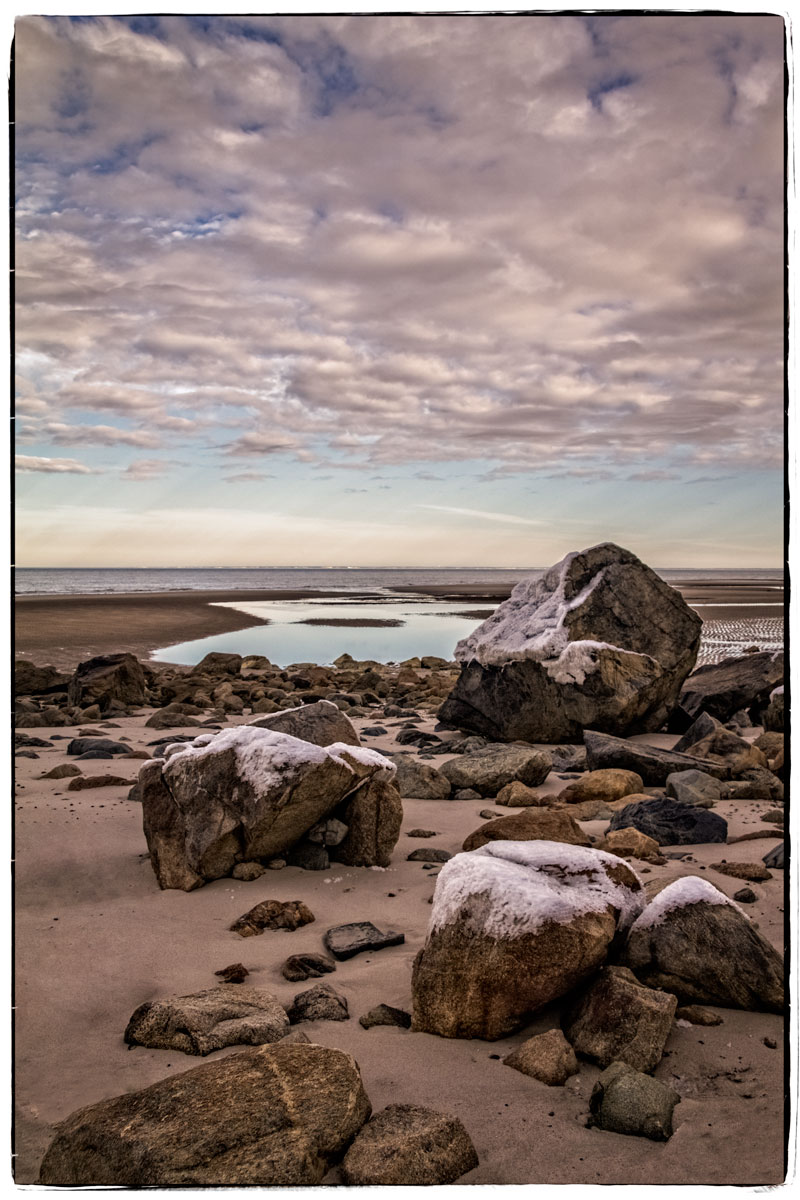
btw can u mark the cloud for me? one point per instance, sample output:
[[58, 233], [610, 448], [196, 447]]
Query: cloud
[[248, 477], [504, 518], [54, 466], [143, 469]]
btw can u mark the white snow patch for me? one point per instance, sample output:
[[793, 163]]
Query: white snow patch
[[691, 889], [778, 691], [529, 883], [579, 659]]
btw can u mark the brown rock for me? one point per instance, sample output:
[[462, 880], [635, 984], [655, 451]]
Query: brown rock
[[235, 973], [81, 782], [617, 1019], [373, 816], [547, 1057], [755, 872], [107, 680], [321, 723], [519, 795], [409, 1146], [273, 914], [612, 783], [62, 771], [631, 842], [532, 825], [697, 1014], [205, 1021]]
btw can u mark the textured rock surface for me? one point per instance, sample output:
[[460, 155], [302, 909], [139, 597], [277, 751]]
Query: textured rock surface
[[618, 1019], [692, 941], [345, 941], [671, 823], [409, 1146], [707, 738], [514, 926], [273, 1116], [625, 1100], [228, 1015], [373, 815], [519, 795], [489, 769], [320, 723], [273, 914], [721, 689], [385, 1014], [530, 825], [307, 966], [547, 1057], [108, 679], [599, 641], [651, 763], [319, 1003], [609, 784], [694, 787], [418, 781], [624, 842]]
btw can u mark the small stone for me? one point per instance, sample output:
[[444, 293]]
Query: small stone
[[273, 914], [82, 782], [299, 967], [421, 833], [384, 1014], [745, 895], [345, 941], [519, 795], [236, 973], [248, 871], [467, 794], [319, 1003], [429, 855], [276, 864], [62, 771], [755, 872], [488, 814], [698, 1014], [770, 1043], [547, 1057]]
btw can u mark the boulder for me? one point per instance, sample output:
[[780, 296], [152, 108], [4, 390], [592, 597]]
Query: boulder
[[242, 795], [273, 914], [272, 1116], [753, 872], [170, 720], [515, 925], [599, 641], [617, 1019], [519, 795], [227, 1015], [650, 762], [625, 1100], [532, 825], [405, 1145], [694, 787], [609, 784], [87, 745], [631, 843], [321, 723], [489, 769], [62, 771], [320, 1003], [772, 717], [693, 941], [708, 739], [418, 781], [30, 680], [384, 1014], [671, 823], [217, 663], [373, 815], [345, 941], [722, 688], [547, 1057], [107, 680]]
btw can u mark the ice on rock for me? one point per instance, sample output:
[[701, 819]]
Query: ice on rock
[[691, 889]]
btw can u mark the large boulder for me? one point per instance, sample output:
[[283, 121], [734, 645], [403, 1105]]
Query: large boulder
[[227, 1015], [722, 689], [618, 1019], [321, 723], [532, 825], [599, 641], [693, 941], [274, 1116], [650, 762], [30, 680], [409, 1146], [243, 795], [707, 738], [489, 769], [107, 680], [671, 823], [625, 1100], [514, 926]]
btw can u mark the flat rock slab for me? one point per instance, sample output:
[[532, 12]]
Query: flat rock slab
[[273, 914], [651, 763], [345, 941], [202, 1022]]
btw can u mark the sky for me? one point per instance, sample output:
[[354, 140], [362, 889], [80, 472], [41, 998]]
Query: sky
[[399, 290]]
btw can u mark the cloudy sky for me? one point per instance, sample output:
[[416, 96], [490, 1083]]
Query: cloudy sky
[[413, 290]]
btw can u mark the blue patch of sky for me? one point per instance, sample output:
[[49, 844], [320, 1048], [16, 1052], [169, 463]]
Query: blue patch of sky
[[725, 69], [391, 211], [75, 95], [123, 155], [604, 87]]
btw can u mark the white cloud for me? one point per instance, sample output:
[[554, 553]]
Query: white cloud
[[53, 466]]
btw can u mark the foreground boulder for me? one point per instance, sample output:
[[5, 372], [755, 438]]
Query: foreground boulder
[[693, 941], [599, 641], [243, 795], [515, 925], [321, 723], [416, 780], [722, 689], [488, 770], [275, 1116], [618, 1019], [625, 1100], [547, 1057], [409, 1146], [671, 823], [653, 764], [108, 680], [227, 1015], [533, 825], [373, 816]]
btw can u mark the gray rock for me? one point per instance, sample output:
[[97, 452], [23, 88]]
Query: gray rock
[[625, 1100], [774, 858], [488, 770], [617, 1019], [468, 794], [671, 823], [721, 689], [200, 1023], [694, 787], [328, 833], [652, 763], [416, 780], [310, 856], [773, 718], [319, 1003], [299, 967], [272, 1116], [345, 941], [88, 745], [384, 1014], [110, 681], [429, 855], [409, 1146], [322, 723]]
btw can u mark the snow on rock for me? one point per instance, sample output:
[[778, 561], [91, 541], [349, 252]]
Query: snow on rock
[[691, 889]]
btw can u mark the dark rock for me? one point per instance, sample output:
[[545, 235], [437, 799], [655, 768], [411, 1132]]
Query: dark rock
[[421, 833], [30, 680], [617, 1019], [491, 768], [384, 1014], [62, 771], [627, 1101], [722, 688], [235, 973], [429, 855], [299, 967], [81, 782], [416, 737], [319, 1003], [86, 745], [170, 720], [308, 855], [272, 1116], [408, 1146], [773, 718], [774, 858], [671, 823], [468, 794], [754, 872], [745, 895], [109, 680], [22, 739], [653, 764], [709, 740], [208, 1020], [373, 815], [273, 914], [217, 663], [90, 754], [345, 941], [27, 754]]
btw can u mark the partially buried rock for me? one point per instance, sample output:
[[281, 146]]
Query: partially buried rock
[[418, 781], [235, 973], [745, 895], [519, 795], [670, 823], [409, 1146], [421, 833], [310, 856], [531, 825], [693, 941], [488, 770], [429, 855], [598, 641], [273, 1116], [81, 782], [306, 966], [754, 872], [87, 745], [248, 871], [514, 926], [63, 771], [345, 941], [321, 723], [547, 1057], [610, 784], [384, 1014], [625, 1100], [273, 914], [631, 842], [618, 1019], [206, 1021], [319, 1003], [697, 1014]]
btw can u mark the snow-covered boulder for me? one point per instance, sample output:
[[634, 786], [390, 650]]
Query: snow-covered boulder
[[515, 925], [321, 723], [248, 794], [693, 941], [599, 642]]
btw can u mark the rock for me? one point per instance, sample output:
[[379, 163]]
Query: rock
[[721, 745], [30, 680], [755, 872], [625, 1100], [319, 1003], [206, 1021], [107, 680], [488, 770], [693, 941], [467, 794], [273, 914], [531, 825], [515, 925], [547, 1057], [94, 754], [599, 641], [568, 758], [299, 967], [694, 787], [310, 856], [62, 771], [88, 745], [243, 794], [760, 783], [625, 842], [345, 941], [235, 973], [670, 823], [774, 858], [416, 737], [170, 720], [384, 1014], [745, 895], [697, 1014], [418, 781], [429, 855], [722, 688], [421, 833], [329, 832], [81, 782], [217, 663], [605, 785], [618, 1020], [519, 795], [272, 1116], [373, 815], [409, 1146], [652, 764], [248, 871], [22, 739], [772, 717], [321, 723]]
